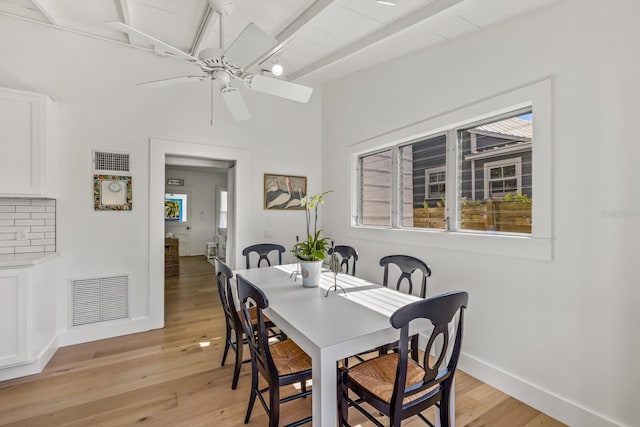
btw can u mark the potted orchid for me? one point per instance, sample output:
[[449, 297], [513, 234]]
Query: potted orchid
[[312, 251]]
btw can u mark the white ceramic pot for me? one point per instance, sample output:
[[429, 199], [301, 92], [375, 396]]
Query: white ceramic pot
[[310, 271]]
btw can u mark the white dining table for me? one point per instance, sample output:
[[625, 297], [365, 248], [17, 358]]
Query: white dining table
[[328, 328]]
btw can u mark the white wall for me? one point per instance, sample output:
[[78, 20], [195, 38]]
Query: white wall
[[203, 187], [560, 335], [99, 106]]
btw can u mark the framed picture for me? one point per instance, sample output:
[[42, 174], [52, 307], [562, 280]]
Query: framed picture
[[284, 191], [112, 193]]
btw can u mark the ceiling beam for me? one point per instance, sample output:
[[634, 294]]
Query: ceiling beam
[[395, 27], [125, 12], [289, 31], [47, 8], [206, 27]]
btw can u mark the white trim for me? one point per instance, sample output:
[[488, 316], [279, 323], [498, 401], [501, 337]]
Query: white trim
[[158, 151], [550, 403], [513, 161], [428, 172], [35, 366], [538, 245]]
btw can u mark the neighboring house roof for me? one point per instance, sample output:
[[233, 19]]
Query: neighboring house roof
[[513, 128]]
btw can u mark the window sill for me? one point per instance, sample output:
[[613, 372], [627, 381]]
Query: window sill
[[508, 245]]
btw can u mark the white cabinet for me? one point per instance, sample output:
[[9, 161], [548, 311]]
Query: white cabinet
[[27, 138], [14, 316]]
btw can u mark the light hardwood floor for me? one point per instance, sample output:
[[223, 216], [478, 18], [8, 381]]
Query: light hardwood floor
[[173, 377]]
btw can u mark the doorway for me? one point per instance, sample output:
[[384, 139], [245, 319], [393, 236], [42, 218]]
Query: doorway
[[160, 154]]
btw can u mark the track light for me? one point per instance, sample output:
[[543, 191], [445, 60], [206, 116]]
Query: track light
[[277, 69], [387, 2]]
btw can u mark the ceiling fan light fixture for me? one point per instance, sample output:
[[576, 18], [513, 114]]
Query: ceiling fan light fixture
[[387, 2], [277, 69]]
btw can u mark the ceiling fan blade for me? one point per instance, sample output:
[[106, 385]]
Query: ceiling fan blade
[[235, 102], [250, 45], [171, 81], [157, 43], [281, 88]]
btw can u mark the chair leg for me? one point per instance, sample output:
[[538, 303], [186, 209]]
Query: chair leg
[[445, 420], [343, 408], [274, 405], [238, 365], [303, 387], [254, 391], [226, 345]]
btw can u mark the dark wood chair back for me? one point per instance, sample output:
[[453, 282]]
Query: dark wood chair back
[[249, 295], [263, 250], [407, 265], [440, 311], [234, 330], [430, 381], [349, 255], [224, 276]]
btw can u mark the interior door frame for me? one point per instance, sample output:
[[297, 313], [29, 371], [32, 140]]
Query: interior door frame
[[159, 149]]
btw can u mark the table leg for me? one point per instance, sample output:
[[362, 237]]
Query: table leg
[[325, 406]]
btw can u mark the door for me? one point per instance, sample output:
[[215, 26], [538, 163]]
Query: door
[[177, 214]]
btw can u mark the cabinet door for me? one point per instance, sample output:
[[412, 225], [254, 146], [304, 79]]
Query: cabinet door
[[21, 137], [13, 316]]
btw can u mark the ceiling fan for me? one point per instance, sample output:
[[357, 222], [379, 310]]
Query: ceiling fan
[[224, 67]]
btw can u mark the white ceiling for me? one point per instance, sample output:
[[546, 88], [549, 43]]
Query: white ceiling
[[321, 40]]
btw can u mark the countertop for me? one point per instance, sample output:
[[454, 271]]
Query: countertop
[[25, 260]]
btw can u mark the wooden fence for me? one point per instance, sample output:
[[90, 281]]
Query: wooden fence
[[513, 217]]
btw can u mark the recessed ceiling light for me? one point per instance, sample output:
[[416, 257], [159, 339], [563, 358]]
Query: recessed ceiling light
[[387, 2]]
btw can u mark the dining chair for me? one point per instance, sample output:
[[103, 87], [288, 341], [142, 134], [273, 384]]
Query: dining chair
[[349, 255], [263, 250], [407, 265], [280, 364], [400, 387], [235, 338]]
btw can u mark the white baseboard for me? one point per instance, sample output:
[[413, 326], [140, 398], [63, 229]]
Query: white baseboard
[[34, 367], [558, 407], [103, 330]]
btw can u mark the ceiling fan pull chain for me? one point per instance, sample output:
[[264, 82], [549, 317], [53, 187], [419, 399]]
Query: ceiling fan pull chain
[[212, 87]]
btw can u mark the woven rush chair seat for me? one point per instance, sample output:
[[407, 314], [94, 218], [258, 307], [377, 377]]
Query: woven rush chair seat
[[254, 315], [289, 358], [377, 376]]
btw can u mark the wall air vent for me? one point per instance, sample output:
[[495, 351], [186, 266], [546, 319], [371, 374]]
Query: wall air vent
[[99, 299], [111, 162]]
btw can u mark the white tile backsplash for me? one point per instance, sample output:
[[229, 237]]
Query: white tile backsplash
[[34, 216]]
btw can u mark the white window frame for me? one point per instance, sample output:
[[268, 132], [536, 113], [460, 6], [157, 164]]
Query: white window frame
[[514, 161], [428, 172], [539, 244], [220, 211]]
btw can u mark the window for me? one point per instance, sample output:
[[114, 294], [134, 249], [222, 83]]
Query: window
[[496, 174], [175, 207], [485, 167], [502, 178], [436, 182], [375, 189], [424, 182], [223, 209]]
